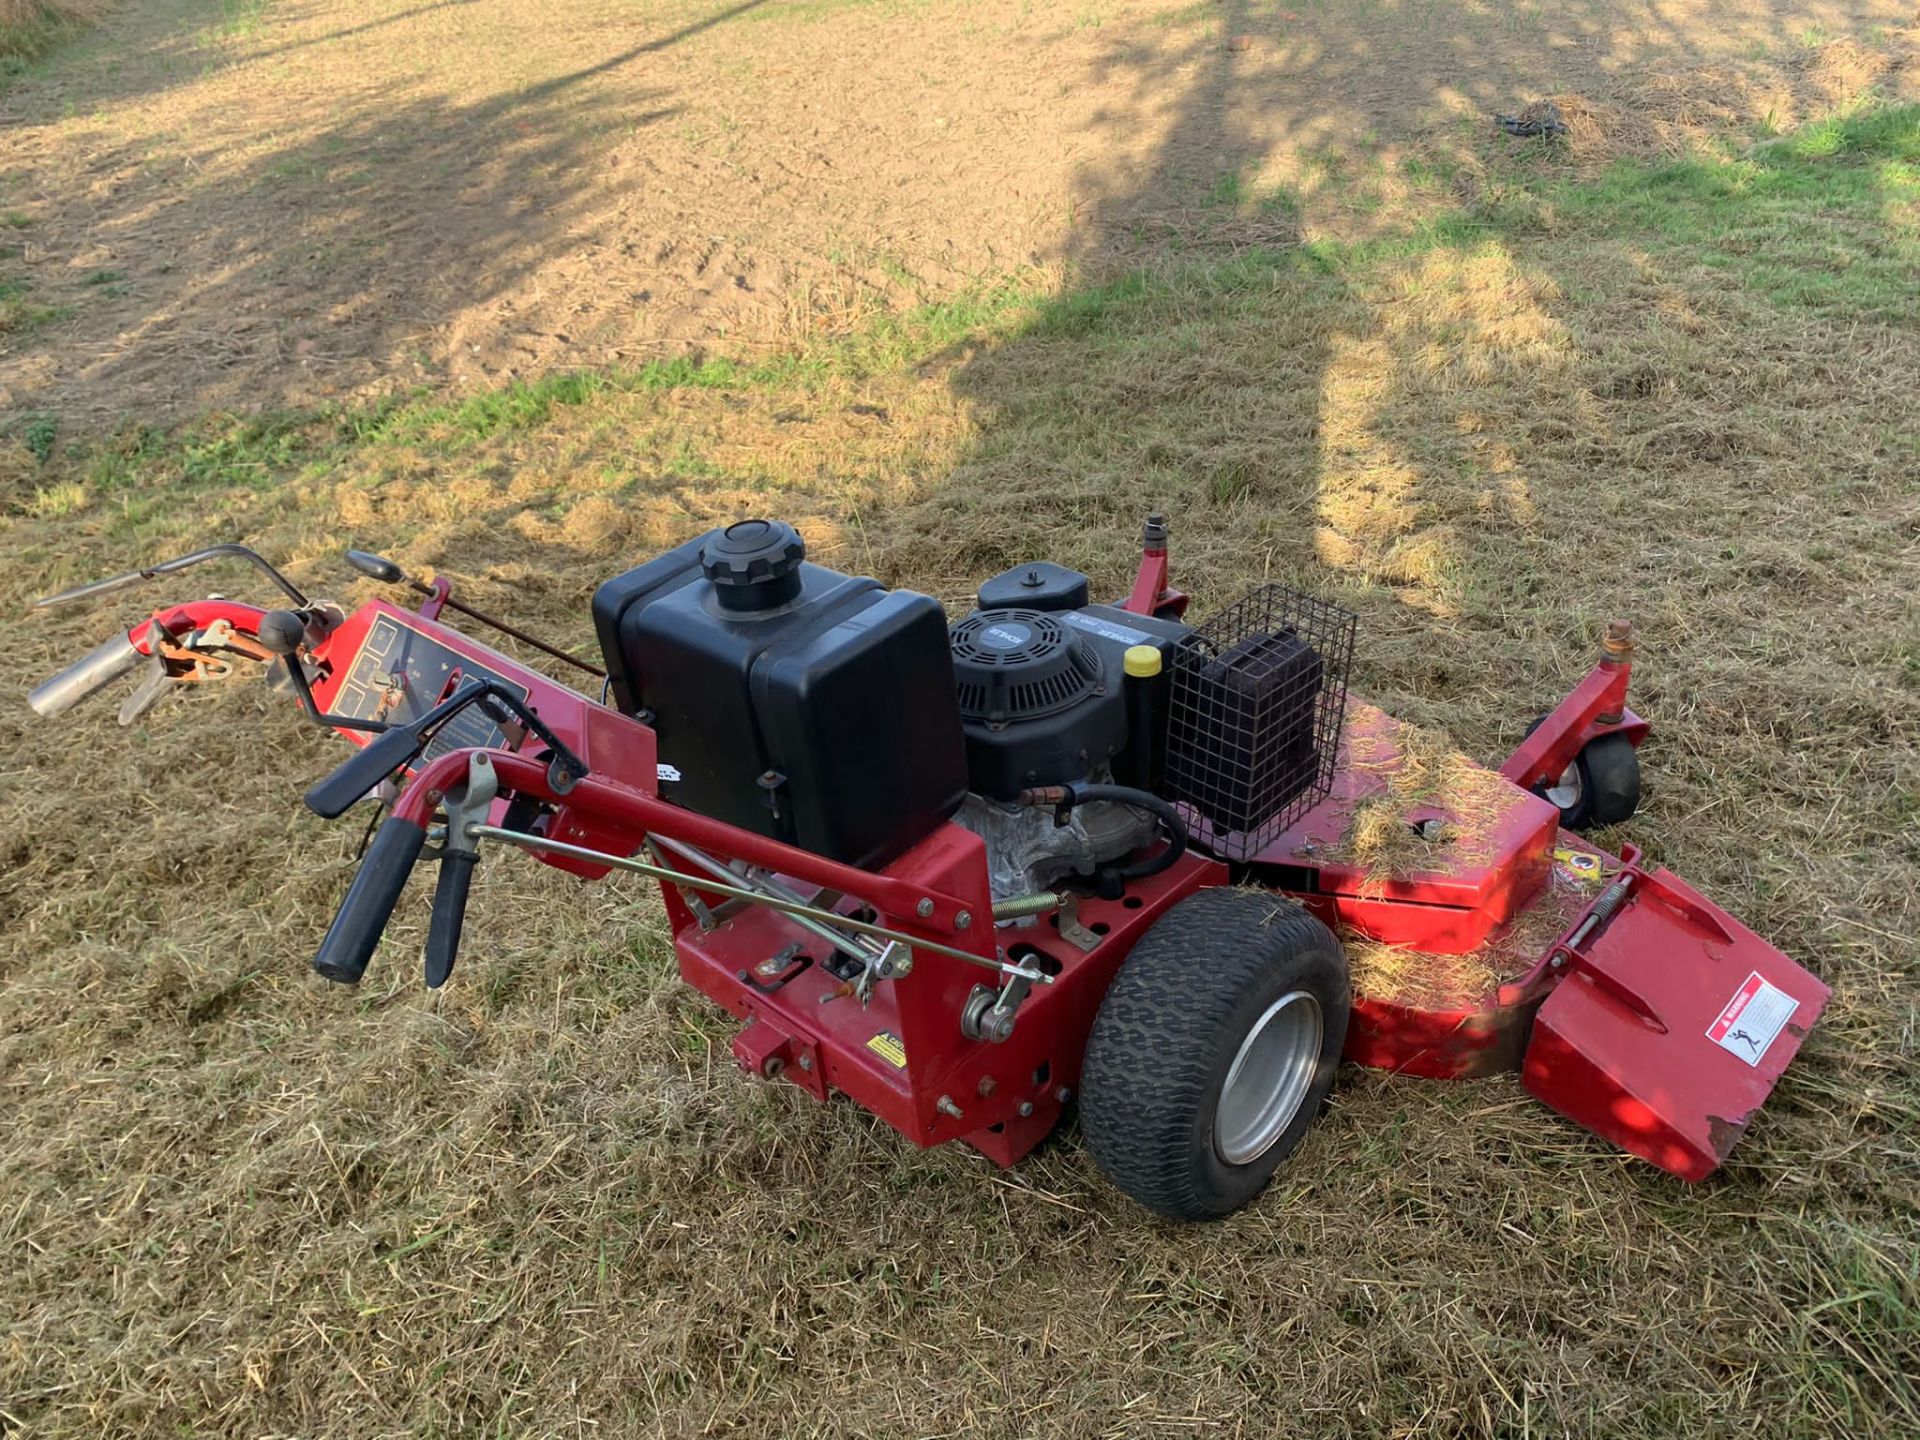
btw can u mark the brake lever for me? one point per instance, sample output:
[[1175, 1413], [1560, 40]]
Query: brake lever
[[466, 805]]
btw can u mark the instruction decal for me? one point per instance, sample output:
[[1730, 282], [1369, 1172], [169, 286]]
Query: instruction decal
[[1106, 629], [888, 1047], [1752, 1019]]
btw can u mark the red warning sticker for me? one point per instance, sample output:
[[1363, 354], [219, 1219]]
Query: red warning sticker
[[1752, 1019]]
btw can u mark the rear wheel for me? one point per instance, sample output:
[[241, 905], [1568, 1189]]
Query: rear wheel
[[1213, 1051]]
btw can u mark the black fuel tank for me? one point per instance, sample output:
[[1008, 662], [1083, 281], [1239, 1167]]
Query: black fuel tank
[[792, 701]]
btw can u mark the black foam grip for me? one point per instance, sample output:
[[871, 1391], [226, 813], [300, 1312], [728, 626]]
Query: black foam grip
[[335, 794], [449, 910], [363, 915]]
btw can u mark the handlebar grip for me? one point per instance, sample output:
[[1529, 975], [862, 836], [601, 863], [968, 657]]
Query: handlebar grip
[[335, 793], [99, 667], [449, 911], [363, 915]]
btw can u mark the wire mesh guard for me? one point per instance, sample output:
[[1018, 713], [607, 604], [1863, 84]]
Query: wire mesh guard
[[1258, 696]]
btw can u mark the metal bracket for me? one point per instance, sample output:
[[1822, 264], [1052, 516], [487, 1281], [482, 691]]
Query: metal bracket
[[1071, 930], [468, 804]]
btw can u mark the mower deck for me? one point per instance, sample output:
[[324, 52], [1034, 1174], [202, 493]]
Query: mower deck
[[1447, 883], [1465, 909]]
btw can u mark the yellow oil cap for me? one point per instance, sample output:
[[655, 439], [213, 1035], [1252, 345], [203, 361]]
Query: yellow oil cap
[[1143, 661]]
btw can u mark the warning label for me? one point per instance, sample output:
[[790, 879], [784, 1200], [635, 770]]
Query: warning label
[[888, 1047], [1583, 865], [1752, 1019]]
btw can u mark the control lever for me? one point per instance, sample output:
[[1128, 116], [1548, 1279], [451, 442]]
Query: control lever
[[158, 681], [378, 567], [466, 805], [281, 633], [401, 745]]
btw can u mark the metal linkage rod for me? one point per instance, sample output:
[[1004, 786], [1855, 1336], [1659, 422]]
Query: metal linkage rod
[[843, 939], [752, 897]]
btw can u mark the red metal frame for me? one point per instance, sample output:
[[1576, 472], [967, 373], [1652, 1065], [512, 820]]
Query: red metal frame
[[1606, 1023], [1596, 706], [1151, 594]]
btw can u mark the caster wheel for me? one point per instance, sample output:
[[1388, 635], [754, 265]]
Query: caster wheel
[[1600, 787], [1213, 1051]]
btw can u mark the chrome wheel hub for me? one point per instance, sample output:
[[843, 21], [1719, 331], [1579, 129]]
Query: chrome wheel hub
[[1269, 1078]]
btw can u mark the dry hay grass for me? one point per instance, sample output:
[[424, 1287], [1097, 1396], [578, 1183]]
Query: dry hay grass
[[1418, 769], [1663, 111], [1418, 978], [1469, 980], [26, 25]]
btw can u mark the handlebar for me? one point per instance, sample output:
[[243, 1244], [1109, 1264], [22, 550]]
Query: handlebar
[[94, 671], [363, 915], [115, 583]]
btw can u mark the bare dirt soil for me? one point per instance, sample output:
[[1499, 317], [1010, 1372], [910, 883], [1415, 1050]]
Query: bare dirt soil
[[251, 204]]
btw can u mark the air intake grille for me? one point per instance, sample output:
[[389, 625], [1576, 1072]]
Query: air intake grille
[[1011, 665]]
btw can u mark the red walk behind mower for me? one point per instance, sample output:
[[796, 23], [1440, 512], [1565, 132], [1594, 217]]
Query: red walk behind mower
[[962, 873]]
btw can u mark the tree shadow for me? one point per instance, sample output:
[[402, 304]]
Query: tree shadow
[[292, 271], [1213, 358], [407, 213]]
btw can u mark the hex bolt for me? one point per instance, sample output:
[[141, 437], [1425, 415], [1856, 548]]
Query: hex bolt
[[924, 909], [1063, 1094], [1024, 1109], [946, 1106], [986, 1086], [805, 1062], [963, 920]]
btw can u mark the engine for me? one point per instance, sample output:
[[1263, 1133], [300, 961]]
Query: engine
[[1055, 690], [850, 720]]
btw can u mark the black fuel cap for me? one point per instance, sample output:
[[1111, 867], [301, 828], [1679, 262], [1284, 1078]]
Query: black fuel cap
[[754, 564]]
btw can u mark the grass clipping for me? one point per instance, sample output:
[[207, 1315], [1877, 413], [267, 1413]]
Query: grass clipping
[[1435, 809], [1430, 796]]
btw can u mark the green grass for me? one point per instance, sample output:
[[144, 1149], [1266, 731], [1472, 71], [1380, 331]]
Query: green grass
[[32, 29], [1810, 220], [20, 316]]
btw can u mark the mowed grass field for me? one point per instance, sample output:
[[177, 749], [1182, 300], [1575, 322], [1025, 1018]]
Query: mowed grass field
[[235, 1200]]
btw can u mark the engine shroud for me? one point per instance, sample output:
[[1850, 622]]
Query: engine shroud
[[1043, 690], [1036, 705]]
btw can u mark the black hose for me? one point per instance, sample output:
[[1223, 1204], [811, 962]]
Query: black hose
[[1066, 797]]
